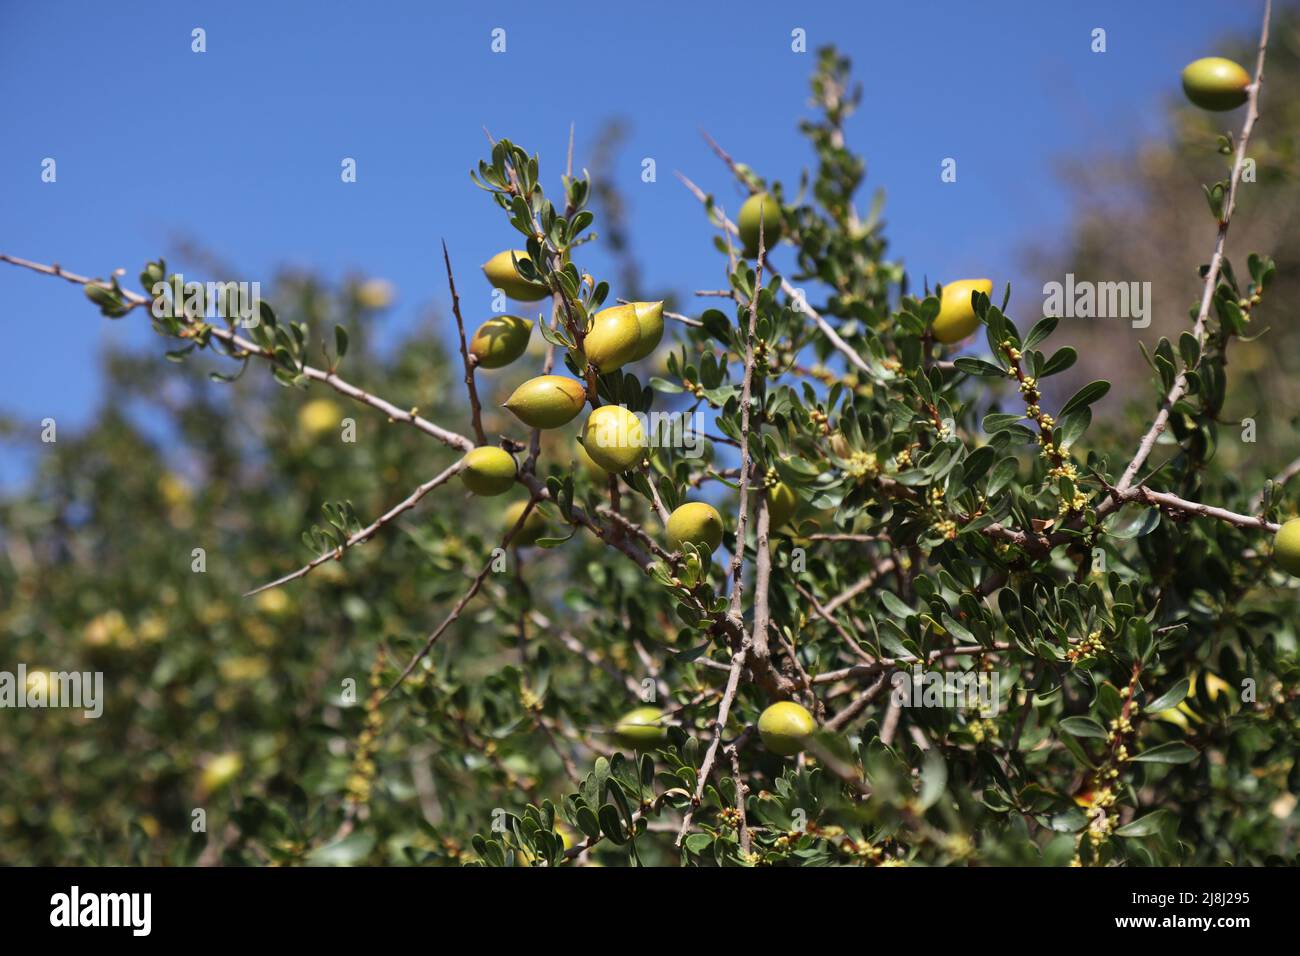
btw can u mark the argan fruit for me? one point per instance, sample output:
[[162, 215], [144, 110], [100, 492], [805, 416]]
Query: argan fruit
[[957, 318], [785, 727], [614, 337], [374, 294], [500, 271], [613, 438], [220, 771], [1286, 547], [696, 522], [762, 205], [547, 401], [319, 417], [534, 525], [589, 465], [274, 603], [650, 317], [500, 340], [1213, 83], [488, 471], [641, 728], [781, 505]]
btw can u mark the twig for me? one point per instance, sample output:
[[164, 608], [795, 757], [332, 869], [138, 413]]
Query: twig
[[1179, 388], [365, 534], [476, 412], [1281, 478], [825, 327], [857, 705], [746, 397], [711, 755], [241, 344], [883, 567], [460, 605]]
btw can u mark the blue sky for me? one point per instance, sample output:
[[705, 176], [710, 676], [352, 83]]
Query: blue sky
[[240, 147]]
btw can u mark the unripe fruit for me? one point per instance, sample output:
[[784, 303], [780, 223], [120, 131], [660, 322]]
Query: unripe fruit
[[957, 318], [220, 771], [273, 603], [500, 340], [319, 416], [641, 728], [759, 205], [534, 525], [1213, 83], [781, 505], [614, 338], [785, 727], [613, 438], [1286, 547], [488, 471], [374, 294], [547, 401], [650, 317], [589, 465], [696, 522], [500, 271]]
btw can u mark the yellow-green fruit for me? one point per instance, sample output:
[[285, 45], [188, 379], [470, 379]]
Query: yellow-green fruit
[[220, 771], [547, 401], [762, 205], [500, 271], [1286, 547], [698, 523], [781, 505], [641, 728], [319, 416], [500, 340], [488, 471], [589, 465], [534, 525], [1213, 83], [613, 438], [614, 338], [785, 727], [374, 294], [957, 318], [650, 317]]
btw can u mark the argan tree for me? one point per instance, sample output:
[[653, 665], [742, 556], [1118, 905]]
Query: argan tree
[[887, 604]]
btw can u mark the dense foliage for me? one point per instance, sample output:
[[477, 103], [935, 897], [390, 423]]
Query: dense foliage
[[1139, 650]]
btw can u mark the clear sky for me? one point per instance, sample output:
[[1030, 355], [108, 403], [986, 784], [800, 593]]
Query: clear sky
[[240, 147]]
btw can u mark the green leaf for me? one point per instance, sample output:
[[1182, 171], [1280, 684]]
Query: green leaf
[[1085, 396], [1083, 727], [1174, 752], [1145, 825], [1170, 698], [346, 852]]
